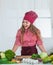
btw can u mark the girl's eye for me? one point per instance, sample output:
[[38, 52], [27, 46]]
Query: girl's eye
[[24, 22]]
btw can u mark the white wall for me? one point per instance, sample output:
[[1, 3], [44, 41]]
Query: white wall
[[11, 14], [50, 40]]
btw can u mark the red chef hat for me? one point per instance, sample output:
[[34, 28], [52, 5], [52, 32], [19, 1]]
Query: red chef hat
[[30, 16]]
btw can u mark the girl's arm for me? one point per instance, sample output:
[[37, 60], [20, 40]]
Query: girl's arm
[[15, 47], [41, 47], [17, 41], [40, 43]]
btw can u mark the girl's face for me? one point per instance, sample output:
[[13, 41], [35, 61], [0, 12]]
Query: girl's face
[[26, 24]]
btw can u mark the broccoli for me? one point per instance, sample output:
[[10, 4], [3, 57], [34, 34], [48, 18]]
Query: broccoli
[[9, 54], [35, 56]]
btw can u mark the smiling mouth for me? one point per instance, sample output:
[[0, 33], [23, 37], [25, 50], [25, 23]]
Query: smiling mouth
[[26, 26]]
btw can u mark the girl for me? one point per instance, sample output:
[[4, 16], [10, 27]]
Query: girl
[[28, 36]]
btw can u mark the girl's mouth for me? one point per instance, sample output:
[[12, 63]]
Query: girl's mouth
[[26, 26]]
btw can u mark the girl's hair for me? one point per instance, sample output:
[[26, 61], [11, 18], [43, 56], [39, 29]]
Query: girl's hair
[[33, 29]]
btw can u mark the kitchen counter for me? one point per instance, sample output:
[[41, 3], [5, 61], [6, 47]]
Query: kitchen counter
[[25, 63]]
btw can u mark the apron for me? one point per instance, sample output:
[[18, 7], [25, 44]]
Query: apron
[[29, 50]]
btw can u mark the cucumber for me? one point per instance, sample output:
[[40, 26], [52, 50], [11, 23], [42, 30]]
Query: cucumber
[[3, 61], [10, 62]]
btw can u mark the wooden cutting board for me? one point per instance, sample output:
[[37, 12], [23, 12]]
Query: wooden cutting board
[[18, 59], [21, 57]]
